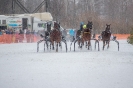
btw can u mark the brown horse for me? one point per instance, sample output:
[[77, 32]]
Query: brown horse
[[55, 36], [84, 36], [106, 36], [87, 34]]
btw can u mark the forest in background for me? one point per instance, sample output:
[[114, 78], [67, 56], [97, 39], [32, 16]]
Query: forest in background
[[70, 13]]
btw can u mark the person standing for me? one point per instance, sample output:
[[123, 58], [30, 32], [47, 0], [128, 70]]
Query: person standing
[[71, 33], [21, 37], [28, 35], [25, 30]]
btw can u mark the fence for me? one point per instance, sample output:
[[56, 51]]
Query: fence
[[18, 38], [31, 38], [118, 36]]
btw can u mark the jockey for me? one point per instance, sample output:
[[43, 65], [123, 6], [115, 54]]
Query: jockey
[[48, 26], [84, 27], [81, 26]]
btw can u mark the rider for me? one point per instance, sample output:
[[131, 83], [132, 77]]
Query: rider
[[81, 26], [48, 26], [84, 27]]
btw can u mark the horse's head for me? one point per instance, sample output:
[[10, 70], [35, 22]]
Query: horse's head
[[56, 25], [107, 28], [89, 25]]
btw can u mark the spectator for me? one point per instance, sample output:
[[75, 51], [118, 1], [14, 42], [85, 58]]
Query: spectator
[[32, 35], [71, 33], [21, 37], [0, 32], [28, 35], [25, 30]]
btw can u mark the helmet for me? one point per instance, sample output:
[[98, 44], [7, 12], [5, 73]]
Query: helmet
[[81, 23], [84, 26]]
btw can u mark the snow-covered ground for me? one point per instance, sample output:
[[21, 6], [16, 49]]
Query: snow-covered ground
[[22, 67]]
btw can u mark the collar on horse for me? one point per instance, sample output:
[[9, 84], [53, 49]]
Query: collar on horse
[[86, 32]]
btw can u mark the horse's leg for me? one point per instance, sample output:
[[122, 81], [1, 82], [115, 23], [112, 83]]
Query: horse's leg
[[108, 44], [78, 43], [44, 45], [117, 43], [38, 44], [103, 44], [98, 44], [89, 42], [66, 44], [95, 44], [60, 45], [75, 42], [56, 47], [71, 43], [90, 45], [86, 44], [82, 43], [52, 43], [47, 44], [70, 46]]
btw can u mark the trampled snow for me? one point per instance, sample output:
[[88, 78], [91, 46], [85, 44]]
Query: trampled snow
[[22, 67]]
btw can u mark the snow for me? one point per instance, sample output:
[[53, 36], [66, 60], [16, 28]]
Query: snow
[[22, 67]]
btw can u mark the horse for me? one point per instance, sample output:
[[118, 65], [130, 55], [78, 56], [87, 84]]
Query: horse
[[84, 36], [56, 36], [106, 36]]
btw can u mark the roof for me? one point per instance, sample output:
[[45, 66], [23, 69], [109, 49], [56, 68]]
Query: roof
[[46, 16]]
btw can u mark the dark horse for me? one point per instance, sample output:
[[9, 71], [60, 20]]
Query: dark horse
[[45, 37], [106, 36], [56, 36]]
